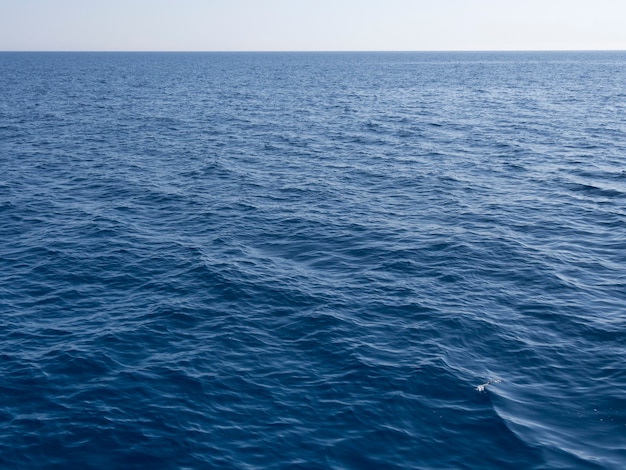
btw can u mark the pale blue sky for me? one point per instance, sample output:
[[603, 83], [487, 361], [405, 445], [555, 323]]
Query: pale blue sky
[[229, 25]]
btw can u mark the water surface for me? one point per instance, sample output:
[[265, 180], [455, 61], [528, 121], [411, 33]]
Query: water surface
[[331, 260]]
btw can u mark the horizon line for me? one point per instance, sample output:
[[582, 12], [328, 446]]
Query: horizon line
[[290, 51]]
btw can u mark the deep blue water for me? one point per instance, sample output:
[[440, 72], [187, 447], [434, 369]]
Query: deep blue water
[[331, 260]]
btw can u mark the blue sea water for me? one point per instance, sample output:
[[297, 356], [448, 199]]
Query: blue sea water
[[313, 260]]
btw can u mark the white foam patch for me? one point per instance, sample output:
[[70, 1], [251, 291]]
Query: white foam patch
[[481, 387]]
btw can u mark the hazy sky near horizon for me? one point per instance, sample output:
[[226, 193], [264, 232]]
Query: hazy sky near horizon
[[305, 25]]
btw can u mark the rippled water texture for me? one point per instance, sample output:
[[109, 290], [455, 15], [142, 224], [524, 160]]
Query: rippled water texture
[[313, 260]]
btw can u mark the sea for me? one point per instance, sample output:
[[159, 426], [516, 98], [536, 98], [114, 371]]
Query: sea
[[313, 260]]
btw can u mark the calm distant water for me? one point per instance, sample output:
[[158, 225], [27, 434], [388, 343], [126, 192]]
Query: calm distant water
[[333, 260]]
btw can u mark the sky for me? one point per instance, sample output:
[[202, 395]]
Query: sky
[[311, 25]]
